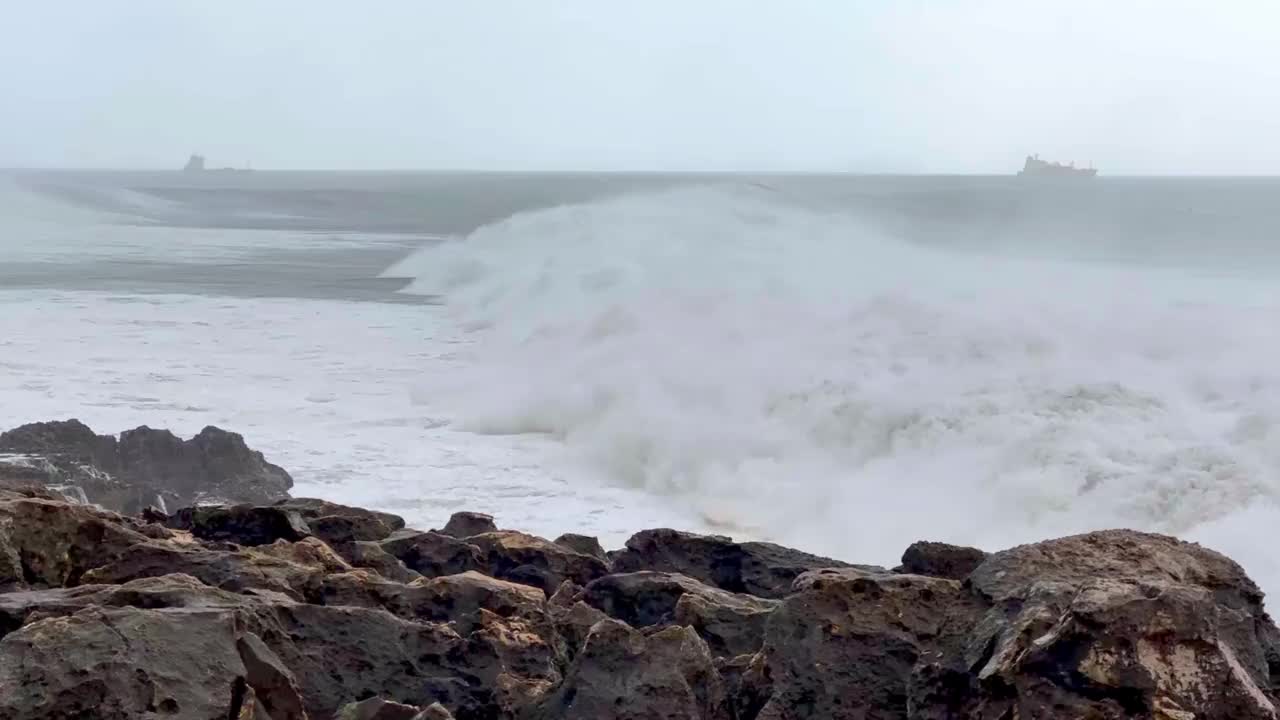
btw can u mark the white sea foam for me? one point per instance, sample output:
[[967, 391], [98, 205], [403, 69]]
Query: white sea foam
[[795, 376]]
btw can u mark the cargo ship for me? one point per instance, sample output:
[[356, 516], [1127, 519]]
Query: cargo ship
[[1035, 167], [196, 165]]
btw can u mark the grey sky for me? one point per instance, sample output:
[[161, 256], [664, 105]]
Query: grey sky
[[884, 85]]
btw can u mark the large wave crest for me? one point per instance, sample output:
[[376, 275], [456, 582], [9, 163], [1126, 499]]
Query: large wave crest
[[795, 375]]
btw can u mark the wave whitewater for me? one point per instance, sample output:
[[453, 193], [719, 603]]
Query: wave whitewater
[[799, 377]]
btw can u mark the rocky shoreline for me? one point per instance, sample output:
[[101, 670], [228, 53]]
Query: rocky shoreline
[[148, 576]]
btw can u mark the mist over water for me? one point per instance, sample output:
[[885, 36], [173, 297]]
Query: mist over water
[[845, 364], [800, 375]]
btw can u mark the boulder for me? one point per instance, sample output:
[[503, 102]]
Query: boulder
[[56, 543], [241, 524], [754, 568], [1111, 624], [167, 591], [236, 570], [622, 674], [338, 654], [274, 687], [376, 708], [585, 544], [937, 559], [465, 524], [531, 560], [148, 467], [731, 624], [123, 664], [845, 646], [336, 523], [433, 554], [434, 711], [371, 556]]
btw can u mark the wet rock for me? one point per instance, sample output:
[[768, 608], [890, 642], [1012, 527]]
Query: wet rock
[[241, 524], [435, 711], [341, 653], [937, 559], [585, 544], [1111, 624], [11, 574], [215, 464], [56, 542], [377, 709], [754, 568], [338, 529], [364, 524], [64, 439], [239, 570], [531, 560], [732, 624], [149, 467], [621, 673], [168, 591], [274, 686], [372, 556], [123, 664], [574, 622], [844, 647], [433, 554], [466, 524]]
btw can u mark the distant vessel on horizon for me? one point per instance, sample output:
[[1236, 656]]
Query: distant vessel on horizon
[[1035, 167], [195, 164]]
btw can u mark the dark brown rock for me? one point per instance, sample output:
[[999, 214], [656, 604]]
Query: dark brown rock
[[936, 559], [11, 574], [239, 570], [149, 467], [123, 664], [435, 711], [731, 624], [844, 647], [313, 508], [341, 653], [274, 685], [433, 554], [585, 544], [56, 542], [371, 556], [531, 560], [167, 591], [1112, 624], [241, 524], [338, 529], [377, 709], [622, 674], [465, 524], [754, 568]]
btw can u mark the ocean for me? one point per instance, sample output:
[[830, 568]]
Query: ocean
[[844, 364]]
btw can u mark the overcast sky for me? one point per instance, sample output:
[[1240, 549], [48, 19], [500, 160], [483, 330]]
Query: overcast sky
[[1136, 86]]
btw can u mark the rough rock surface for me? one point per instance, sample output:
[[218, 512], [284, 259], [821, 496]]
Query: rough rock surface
[[1112, 624], [730, 623], [937, 559], [585, 544], [755, 568], [621, 673], [466, 524], [231, 613], [144, 466]]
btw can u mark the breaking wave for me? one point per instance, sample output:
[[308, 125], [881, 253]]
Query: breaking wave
[[797, 376]]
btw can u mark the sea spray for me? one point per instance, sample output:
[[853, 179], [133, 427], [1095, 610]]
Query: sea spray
[[800, 376]]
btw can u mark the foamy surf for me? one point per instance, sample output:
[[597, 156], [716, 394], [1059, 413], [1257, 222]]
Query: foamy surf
[[795, 375]]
